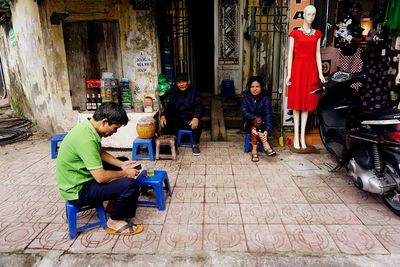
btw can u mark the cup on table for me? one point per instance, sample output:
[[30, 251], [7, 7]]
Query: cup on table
[[150, 168]]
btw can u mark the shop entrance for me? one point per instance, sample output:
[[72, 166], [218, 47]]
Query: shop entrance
[[202, 43], [203, 38], [186, 33], [91, 47]]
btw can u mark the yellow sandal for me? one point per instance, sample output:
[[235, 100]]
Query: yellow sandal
[[132, 231]]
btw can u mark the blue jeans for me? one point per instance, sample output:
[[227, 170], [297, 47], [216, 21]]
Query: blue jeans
[[123, 192]]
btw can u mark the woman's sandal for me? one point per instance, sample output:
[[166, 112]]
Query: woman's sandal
[[255, 158], [270, 152], [133, 230]]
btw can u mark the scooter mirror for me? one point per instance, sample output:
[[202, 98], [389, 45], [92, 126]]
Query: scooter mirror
[[340, 76]]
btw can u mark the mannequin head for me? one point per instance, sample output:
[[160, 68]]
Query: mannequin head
[[309, 14]]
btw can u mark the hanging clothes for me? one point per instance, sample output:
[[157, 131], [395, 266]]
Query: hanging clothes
[[377, 13], [392, 17], [375, 92], [352, 63], [327, 20]]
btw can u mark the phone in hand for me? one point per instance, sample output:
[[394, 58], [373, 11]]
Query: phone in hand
[[138, 166], [141, 173]]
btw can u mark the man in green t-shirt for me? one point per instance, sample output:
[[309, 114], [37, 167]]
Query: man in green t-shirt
[[84, 179]]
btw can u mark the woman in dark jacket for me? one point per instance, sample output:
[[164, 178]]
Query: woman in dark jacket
[[257, 112]]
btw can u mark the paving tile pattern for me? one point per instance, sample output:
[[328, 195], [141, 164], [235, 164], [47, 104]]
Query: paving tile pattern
[[289, 204]]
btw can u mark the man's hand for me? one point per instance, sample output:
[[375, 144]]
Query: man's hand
[[128, 164], [194, 123], [131, 173], [163, 121], [106, 176]]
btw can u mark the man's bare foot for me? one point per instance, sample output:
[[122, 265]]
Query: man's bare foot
[[117, 224], [121, 227]]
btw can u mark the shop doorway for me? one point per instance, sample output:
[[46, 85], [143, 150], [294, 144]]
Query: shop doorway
[[91, 47], [202, 43], [186, 34]]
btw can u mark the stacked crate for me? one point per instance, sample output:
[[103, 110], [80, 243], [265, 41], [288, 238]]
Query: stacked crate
[[126, 96]]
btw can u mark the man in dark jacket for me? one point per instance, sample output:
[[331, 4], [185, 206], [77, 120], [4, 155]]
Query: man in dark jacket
[[184, 111]]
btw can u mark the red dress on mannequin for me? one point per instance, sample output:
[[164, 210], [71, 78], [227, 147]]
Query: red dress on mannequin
[[304, 76]]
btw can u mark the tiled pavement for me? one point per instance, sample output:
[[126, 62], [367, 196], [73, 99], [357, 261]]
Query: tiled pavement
[[221, 203]]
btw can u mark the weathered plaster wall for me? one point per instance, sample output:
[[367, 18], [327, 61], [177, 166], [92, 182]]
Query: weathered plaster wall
[[36, 68], [13, 72], [28, 76]]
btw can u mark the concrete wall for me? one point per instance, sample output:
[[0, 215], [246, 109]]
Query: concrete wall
[[36, 68]]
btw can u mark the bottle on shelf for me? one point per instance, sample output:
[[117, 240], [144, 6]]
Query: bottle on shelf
[[88, 102], [99, 100], [94, 103]]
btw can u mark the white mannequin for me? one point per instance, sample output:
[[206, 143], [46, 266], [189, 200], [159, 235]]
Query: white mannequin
[[309, 15]]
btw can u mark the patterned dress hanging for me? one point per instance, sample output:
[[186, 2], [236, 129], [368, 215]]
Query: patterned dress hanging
[[351, 63], [375, 91]]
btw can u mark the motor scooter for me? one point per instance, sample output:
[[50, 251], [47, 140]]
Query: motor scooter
[[366, 143]]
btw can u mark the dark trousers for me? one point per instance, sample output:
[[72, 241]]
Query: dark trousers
[[174, 125], [124, 193]]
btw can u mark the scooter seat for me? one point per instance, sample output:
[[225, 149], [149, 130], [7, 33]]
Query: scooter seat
[[379, 115]]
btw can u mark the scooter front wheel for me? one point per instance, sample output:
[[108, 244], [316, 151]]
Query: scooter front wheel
[[392, 201], [392, 198]]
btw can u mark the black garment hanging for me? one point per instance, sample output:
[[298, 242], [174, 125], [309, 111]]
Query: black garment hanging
[[376, 90], [325, 19], [377, 13], [349, 49]]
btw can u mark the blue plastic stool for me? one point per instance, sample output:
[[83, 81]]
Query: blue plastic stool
[[156, 181], [54, 144], [180, 134], [227, 88], [72, 212], [247, 145], [146, 142]]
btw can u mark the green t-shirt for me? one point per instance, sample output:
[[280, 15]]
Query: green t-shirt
[[79, 152]]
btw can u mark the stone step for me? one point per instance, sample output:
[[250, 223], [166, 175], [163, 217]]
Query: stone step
[[230, 112]]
